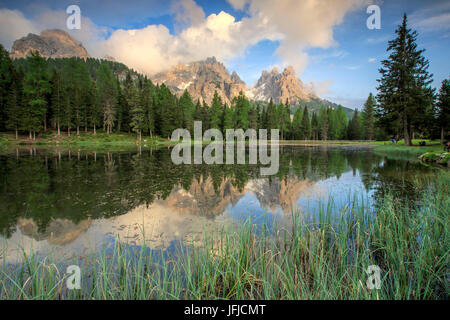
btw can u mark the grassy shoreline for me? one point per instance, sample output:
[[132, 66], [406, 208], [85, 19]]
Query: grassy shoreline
[[321, 256]]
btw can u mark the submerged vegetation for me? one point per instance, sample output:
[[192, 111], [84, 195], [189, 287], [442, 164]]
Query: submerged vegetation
[[321, 255]]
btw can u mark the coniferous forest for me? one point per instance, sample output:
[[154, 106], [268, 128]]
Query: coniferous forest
[[72, 94]]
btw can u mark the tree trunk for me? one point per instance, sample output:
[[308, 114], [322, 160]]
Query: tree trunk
[[94, 130], [442, 135], [59, 130], [30, 134], [17, 135], [78, 130], [406, 132]]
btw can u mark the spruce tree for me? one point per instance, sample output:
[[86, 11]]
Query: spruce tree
[[188, 111], [216, 112], [368, 116], [297, 123], [306, 125], [443, 108], [107, 95], [137, 112], [36, 87], [404, 93]]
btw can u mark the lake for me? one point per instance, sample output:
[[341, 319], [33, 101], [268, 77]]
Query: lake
[[72, 203]]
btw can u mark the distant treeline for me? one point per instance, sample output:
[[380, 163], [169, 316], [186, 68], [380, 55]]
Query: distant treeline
[[74, 94]]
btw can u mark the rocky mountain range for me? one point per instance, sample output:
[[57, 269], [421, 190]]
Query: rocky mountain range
[[50, 44], [279, 87], [200, 78]]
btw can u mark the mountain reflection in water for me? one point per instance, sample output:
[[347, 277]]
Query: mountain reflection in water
[[75, 203]]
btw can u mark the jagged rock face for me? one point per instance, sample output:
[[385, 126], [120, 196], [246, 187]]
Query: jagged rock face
[[201, 79], [50, 44], [279, 87]]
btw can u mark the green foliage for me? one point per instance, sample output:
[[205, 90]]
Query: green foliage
[[405, 95]]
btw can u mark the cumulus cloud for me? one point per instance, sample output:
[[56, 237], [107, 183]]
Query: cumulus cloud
[[297, 25], [372, 60], [304, 24], [13, 25]]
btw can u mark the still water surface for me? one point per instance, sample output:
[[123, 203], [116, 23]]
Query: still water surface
[[74, 203]]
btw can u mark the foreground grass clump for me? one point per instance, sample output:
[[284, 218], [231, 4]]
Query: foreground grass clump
[[320, 256]]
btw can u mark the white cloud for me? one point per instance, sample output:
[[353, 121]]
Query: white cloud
[[304, 24], [298, 25], [320, 88], [372, 60], [13, 25], [433, 18]]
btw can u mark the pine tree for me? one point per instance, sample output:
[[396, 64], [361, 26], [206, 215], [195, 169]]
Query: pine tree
[[107, 94], [36, 87], [271, 116], [368, 116], [93, 112], [57, 99], [13, 109], [6, 82], [148, 101], [341, 120], [354, 127], [297, 124], [323, 123], [216, 112], [241, 107], [227, 116], [188, 111], [405, 96], [306, 125], [443, 106], [315, 126], [137, 112]]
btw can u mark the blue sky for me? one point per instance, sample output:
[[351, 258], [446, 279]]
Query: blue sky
[[343, 69]]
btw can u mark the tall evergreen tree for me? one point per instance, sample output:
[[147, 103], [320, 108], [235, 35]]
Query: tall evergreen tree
[[315, 127], [323, 123], [137, 112], [57, 99], [107, 91], [354, 127], [306, 125], [443, 106], [216, 112], [36, 87], [297, 122], [368, 116], [188, 111], [405, 96], [6, 82]]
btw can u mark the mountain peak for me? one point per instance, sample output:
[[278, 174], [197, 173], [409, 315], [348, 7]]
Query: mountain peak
[[289, 70], [53, 43], [201, 79], [280, 87]]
